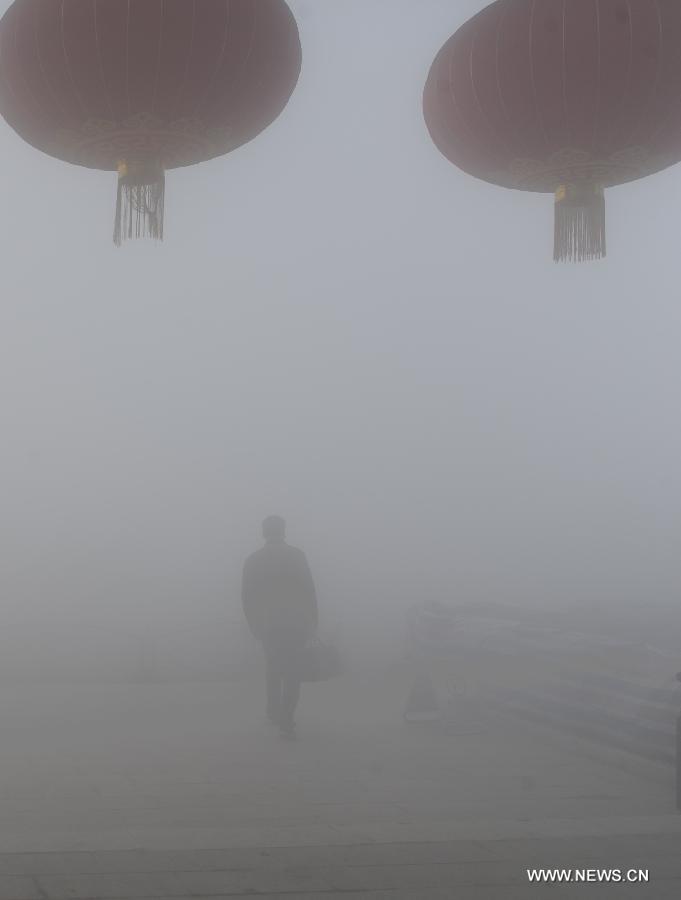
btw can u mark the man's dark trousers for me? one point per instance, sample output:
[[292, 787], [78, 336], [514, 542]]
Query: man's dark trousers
[[284, 655]]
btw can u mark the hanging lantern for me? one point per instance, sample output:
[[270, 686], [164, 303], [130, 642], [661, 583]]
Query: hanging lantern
[[564, 96], [142, 86]]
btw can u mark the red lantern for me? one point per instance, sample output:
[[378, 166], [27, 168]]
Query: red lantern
[[564, 96], [141, 86]]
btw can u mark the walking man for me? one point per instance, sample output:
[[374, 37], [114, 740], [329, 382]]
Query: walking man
[[280, 606]]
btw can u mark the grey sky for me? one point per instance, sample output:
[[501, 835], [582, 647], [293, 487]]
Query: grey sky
[[342, 328]]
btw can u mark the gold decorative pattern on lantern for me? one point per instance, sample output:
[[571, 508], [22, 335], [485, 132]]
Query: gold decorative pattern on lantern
[[101, 143], [571, 166]]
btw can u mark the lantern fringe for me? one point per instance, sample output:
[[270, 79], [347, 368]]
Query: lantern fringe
[[580, 224], [140, 203]]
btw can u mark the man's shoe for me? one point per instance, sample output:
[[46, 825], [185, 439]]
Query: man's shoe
[[287, 731]]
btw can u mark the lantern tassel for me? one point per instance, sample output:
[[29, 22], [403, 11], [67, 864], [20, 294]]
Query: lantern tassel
[[580, 223], [140, 202]]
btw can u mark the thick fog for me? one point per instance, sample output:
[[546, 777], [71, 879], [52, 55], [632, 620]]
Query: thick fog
[[343, 329]]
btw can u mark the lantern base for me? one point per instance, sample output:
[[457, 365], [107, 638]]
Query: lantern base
[[580, 223], [140, 203]]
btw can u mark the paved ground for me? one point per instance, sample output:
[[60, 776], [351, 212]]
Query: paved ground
[[182, 791]]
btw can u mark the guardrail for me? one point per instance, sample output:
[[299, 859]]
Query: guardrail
[[613, 692], [612, 711]]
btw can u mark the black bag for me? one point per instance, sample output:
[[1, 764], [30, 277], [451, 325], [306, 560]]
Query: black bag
[[320, 662]]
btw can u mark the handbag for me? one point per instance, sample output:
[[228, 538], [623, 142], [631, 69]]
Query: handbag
[[320, 662]]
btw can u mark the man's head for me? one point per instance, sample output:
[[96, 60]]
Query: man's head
[[274, 528]]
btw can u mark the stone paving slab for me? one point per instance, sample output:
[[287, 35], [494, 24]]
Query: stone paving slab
[[465, 869], [19, 889], [116, 801], [639, 848], [171, 839]]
